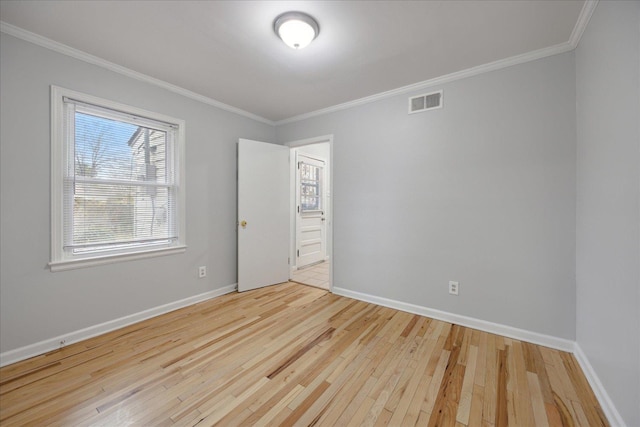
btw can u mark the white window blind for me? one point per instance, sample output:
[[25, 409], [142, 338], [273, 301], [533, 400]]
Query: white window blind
[[120, 182]]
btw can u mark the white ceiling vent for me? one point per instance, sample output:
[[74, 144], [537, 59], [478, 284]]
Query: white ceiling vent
[[428, 101]]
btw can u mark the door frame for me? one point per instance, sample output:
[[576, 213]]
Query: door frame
[[329, 212]]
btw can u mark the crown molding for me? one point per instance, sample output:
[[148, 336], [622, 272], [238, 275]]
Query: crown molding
[[581, 24], [583, 19], [47, 43], [447, 78]]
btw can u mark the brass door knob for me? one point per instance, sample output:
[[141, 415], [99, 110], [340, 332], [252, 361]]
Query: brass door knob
[[243, 224]]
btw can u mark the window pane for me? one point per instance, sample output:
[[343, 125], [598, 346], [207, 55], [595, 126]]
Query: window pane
[[310, 187], [121, 192], [101, 149], [148, 155], [110, 149], [119, 213]]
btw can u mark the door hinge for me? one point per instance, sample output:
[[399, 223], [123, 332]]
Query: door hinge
[[298, 252], [299, 165], [289, 261], [298, 209]]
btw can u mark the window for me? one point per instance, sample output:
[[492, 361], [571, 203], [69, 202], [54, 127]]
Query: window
[[310, 187], [117, 181]]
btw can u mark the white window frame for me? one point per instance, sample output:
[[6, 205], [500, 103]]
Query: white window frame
[[63, 260]]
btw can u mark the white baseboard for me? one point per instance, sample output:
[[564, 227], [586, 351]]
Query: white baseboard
[[470, 322], [610, 411], [42, 347]]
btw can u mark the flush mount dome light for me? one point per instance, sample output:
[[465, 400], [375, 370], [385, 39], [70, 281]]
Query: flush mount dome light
[[296, 29]]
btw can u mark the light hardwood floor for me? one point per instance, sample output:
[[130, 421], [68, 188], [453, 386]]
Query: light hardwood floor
[[297, 355]]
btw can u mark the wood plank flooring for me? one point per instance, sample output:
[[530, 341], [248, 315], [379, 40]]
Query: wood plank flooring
[[296, 355]]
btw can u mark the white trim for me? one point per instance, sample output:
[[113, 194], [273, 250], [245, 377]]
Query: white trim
[[609, 409], [469, 322], [39, 40], [309, 141], [583, 19], [57, 147], [447, 78], [47, 345], [58, 93], [581, 24], [64, 265]]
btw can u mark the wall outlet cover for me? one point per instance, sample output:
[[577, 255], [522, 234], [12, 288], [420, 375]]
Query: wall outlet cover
[[453, 288]]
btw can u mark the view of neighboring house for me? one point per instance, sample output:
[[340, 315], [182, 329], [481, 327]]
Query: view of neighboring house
[[150, 203]]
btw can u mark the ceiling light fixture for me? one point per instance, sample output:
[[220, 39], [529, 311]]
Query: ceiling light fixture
[[296, 29]]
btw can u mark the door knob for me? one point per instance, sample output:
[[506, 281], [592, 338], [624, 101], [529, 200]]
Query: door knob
[[243, 224]]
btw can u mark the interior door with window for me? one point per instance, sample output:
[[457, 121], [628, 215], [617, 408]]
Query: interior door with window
[[310, 219], [263, 214]]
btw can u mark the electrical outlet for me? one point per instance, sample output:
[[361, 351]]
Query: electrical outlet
[[202, 272], [453, 288]]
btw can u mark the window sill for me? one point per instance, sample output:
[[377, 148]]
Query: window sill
[[55, 266]]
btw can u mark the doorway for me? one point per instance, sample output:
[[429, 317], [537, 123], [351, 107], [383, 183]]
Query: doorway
[[311, 212]]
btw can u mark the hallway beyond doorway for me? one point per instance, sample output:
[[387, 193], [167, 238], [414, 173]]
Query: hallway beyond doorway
[[314, 275]]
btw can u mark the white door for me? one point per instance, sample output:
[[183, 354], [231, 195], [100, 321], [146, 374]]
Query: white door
[[263, 214], [310, 218]]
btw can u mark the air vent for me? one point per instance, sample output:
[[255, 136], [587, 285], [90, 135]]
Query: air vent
[[428, 101]]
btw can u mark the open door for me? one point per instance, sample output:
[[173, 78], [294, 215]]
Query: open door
[[263, 214]]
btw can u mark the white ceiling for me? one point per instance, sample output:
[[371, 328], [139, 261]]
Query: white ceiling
[[227, 50]]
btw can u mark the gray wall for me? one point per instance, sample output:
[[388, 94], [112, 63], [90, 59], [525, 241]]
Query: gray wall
[[486, 191], [481, 191], [36, 304], [608, 201]]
